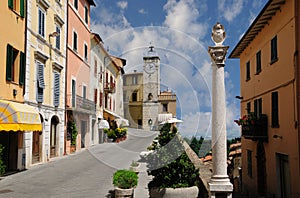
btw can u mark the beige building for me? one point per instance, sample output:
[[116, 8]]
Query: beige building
[[269, 79], [45, 74], [145, 105]]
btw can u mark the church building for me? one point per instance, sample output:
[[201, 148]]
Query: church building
[[145, 105]]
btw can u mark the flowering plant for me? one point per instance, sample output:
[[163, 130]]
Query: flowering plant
[[246, 120]]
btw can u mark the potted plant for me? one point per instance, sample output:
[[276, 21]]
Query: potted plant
[[72, 128], [134, 166], [125, 181]]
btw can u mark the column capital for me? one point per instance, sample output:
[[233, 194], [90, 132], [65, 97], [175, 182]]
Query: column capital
[[218, 54]]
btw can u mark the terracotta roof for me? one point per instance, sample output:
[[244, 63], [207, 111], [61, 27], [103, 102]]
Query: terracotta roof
[[206, 158], [236, 152], [236, 145], [258, 24]]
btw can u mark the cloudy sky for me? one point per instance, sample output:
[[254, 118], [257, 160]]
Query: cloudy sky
[[180, 30]]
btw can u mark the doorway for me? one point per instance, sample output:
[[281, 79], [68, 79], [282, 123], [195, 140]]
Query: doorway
[[9, 140], [83, 133], [36, 146], [53, 136]]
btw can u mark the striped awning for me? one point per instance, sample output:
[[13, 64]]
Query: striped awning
[[18, 117]]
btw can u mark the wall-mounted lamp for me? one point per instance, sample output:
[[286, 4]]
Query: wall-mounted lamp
[[15, 92], [277, 136], [54, 34], [239, 97]]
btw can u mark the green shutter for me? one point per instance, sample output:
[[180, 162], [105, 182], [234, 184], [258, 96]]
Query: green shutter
[[22, 8], [11, 4], [22, 68], [9, 60]]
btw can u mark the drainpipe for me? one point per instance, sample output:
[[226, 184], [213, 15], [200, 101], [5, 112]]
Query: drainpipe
[[66, 79], [296, 65]]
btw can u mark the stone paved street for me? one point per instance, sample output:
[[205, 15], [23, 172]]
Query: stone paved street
[[87, 173]]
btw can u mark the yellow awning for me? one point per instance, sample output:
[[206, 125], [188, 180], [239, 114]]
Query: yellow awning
[[18, 117]]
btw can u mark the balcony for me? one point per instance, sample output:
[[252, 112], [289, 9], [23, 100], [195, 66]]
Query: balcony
[[258, 130], [81, 104], [109, 87]]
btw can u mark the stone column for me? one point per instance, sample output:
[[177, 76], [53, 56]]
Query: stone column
[[219, 185]]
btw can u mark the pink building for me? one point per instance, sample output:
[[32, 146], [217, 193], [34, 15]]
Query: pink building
[[80, 107]]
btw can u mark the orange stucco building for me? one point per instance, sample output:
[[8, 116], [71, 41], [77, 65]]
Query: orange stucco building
[[80, 107], [269, 79]]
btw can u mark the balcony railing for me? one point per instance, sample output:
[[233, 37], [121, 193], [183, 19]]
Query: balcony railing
[[258, 130], [81, 104], [167, 97], [109, 87]]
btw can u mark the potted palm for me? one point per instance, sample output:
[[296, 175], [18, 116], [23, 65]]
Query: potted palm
[[125, 182]]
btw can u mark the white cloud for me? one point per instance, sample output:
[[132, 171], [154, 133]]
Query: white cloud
[[185, 65], [122, 4], [230, 9], [182, 16], [142, 11]]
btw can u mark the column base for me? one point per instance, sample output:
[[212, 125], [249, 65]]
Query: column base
[[220, 187]]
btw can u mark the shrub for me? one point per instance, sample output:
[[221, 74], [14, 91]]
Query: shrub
[[125, 179], [169, 164]]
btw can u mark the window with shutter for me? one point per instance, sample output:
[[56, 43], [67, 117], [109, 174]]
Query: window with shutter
[[76, 4], [258, 62], [41, 22], [57, 38], [274, 57], [9, 61], [11, 4], [275, 116], [258, 107], [56, 89], [84, 91], [248, 70], [73, 93], [22, 68], [75, 41], [22, 8], [86, 14], [40, 82]]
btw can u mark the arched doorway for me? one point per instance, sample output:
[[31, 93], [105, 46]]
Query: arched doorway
[[53, 136], [261, 169], [37, 143]]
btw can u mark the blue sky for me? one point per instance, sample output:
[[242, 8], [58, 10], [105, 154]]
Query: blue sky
[[180, 30]]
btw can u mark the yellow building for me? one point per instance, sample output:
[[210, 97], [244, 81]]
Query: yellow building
[[269, 79], [45, 77], [16, 118]]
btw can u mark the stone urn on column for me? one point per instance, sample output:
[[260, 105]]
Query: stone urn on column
[[219, 185]]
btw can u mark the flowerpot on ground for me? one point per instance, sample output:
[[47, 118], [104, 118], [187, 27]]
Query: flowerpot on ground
[[135, 167], [125, 181], [190, 192], [72, 149], [119, 192]]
